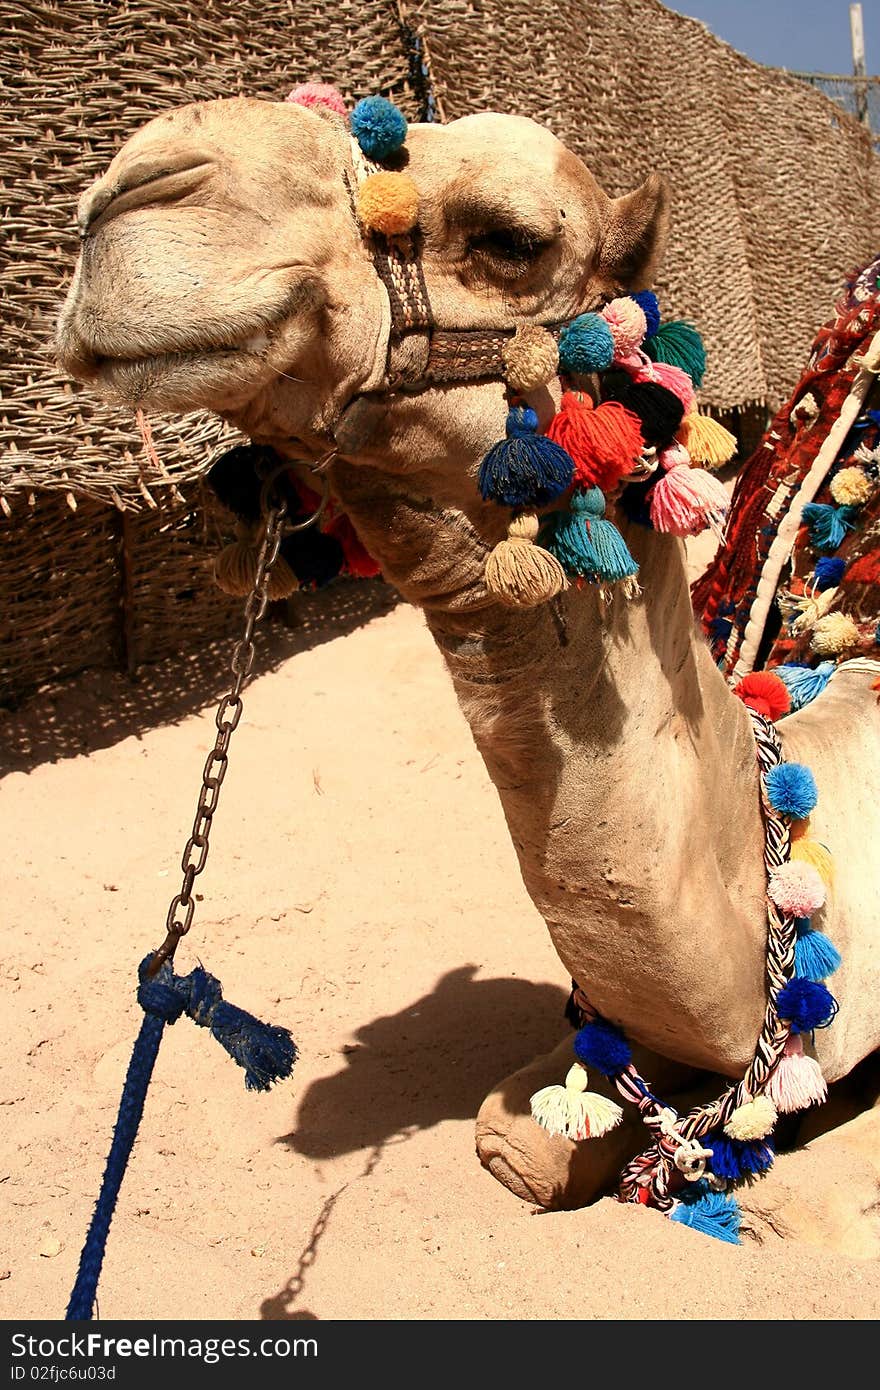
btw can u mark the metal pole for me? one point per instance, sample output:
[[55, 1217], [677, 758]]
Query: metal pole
[[857, 34]]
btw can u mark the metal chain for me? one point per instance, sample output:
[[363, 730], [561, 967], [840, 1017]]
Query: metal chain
[[227, 719]]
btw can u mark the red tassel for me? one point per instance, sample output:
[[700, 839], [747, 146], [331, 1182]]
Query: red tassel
[[764, 693], [605, 441]]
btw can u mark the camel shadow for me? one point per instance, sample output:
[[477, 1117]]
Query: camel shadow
[[435, 1060]]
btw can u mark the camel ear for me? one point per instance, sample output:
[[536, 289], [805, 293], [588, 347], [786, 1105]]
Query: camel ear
[[635, 235]]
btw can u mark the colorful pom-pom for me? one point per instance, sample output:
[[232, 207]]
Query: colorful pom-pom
[[765, 693], [735, 1158], [586, 345], [806, 1004], [678, 382], [588, 545], [679, 344], [379, 127], [804, 683], [686, 500], [519, 573], [319, 95], [531, 358], [807, 851], [754, 1119], [388, 203], [650, 307], [660, 411], [828, 572], [711, 1213], [602, 1046], [815, 955], [706, 440], [796, 1081], [572, 1111], [605, 442], [525, 469], [826, 525], [834, 634], [626, 319], [797, 889], [851, 487], [791, 790]]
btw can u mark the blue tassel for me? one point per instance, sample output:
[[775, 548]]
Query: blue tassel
[[648, 303], [828, 572], [602, 1046], [526, 469], [804, 683], [737, 1158], [815, 956], [791, 790], [712, 1213], [266, 1053], [588, 545], [806, 1004], [828, 525]]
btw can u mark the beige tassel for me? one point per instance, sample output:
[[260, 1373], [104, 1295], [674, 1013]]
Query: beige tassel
[[235, 568], [520, 573], [573, 1112]]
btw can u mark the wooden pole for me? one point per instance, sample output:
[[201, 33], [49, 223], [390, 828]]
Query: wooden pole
[[857, 33]]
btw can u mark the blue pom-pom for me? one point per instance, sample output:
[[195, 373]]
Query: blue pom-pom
[[521, 421], [815, 957], [791, 790], [828, 572], [586, 345], [647, 302], [737, 1158], [378, 126], [526, 470], [804, 683], [602, 1046], [806, 1004], [711, 1213], [827, 525]]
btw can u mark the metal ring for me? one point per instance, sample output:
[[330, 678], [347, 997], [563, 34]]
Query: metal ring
[[292, 526]]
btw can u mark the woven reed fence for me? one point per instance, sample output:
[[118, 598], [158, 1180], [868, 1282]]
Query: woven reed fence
[[775, 197]]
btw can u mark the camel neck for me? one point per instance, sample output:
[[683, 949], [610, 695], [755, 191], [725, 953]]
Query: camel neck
[[625, 770]]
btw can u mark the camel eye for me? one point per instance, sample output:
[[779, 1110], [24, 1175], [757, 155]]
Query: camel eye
[[507, 251]]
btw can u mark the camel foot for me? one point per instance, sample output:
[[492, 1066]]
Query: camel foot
[[549, 1171]]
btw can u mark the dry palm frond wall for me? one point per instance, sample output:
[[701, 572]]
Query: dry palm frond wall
[[775, 199]]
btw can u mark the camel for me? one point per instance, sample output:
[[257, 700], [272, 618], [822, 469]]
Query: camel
[[222, 268]]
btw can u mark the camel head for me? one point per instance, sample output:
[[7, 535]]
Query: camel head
[[223, 267]]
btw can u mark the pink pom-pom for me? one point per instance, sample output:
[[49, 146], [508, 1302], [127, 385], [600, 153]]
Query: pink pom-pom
[[675, 456], [319, 94], [628, 324], [797, 888], [684, 501], [678, 382], [796, 1081]]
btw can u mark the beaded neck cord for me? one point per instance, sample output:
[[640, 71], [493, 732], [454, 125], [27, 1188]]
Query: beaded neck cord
[[628, 426]]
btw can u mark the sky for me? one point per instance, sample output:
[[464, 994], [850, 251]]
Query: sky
[[800, 34]]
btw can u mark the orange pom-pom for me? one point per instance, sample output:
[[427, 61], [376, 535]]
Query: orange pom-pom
[[388, 203], [605, 441], [764, 693]]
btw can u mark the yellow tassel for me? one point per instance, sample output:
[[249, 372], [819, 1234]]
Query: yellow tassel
[[235, 568], [572, 1111], [811, 852], [706, 440], [520, 573], [752, 1120]]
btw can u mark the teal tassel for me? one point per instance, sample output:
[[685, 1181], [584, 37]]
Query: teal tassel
[[679, 344], [588, 545], [804, 683], [815, 956], [828, 525], [713, 1213]]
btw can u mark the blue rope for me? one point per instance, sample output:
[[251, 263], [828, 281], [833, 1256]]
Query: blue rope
[[266, 1053]]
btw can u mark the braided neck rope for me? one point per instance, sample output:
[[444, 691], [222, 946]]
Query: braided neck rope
[[675, 1146]]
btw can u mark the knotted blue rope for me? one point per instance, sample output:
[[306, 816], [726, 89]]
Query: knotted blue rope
[[266, 1053]]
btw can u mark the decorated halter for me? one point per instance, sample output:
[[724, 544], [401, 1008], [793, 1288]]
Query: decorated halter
[[628, 421]]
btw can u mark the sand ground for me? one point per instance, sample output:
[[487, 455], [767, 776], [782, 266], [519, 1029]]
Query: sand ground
[[363, 892]]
